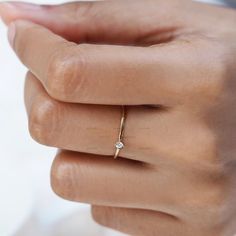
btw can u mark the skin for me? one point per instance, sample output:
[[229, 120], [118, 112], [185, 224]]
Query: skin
[[172, 63]]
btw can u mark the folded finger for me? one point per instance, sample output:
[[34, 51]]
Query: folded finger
[[103, 181], [82, 128], [145, 222], [98, 180], [76, 127], [100, 21], [149, 133], [108, 74], [138, 222]]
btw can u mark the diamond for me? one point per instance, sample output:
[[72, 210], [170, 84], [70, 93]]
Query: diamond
[[119, 145]]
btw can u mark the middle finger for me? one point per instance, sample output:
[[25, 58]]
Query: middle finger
[[149, 134]]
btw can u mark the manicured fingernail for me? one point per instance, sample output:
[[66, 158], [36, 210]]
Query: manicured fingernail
[[11, 10], [12, 33], [21, 5], [6, 11]]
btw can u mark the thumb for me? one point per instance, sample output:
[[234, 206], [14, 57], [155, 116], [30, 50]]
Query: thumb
[[51, 17], [118, 22]]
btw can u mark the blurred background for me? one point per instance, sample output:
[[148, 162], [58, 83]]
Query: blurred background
[[27, 204]]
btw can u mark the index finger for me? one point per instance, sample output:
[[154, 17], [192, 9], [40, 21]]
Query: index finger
[[103, 74]]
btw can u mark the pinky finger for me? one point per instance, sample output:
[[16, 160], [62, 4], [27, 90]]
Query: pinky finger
[[144, 222]]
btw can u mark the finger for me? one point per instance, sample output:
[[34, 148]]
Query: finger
[[137, 222], [106, 21], [145, 222], [110, 75], [149, 133], [105, 181], [82, 128], [102, 181], [86, 128]]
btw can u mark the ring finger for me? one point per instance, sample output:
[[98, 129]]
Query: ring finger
[[84, 128], [149, 133]]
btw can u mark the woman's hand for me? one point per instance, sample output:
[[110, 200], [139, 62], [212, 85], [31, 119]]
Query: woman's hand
[[172, 63]]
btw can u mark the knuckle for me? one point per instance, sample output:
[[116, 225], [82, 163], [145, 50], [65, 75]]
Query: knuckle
[[42, 120], [202, 145], [213, 209], [60, 174], [68, 178], [211, 73], [209, 200], [65, 74], [205, 148], [216, 73], [209, 206], [208, 151]]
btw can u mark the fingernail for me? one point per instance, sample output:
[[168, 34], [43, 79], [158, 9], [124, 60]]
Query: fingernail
[[6, 11], [21, 5], [11, 10], [12, 33]]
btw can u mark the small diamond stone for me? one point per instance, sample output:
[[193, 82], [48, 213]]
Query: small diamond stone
[[119, 145]]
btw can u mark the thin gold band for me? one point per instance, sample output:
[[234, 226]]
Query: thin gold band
[[120, 145]]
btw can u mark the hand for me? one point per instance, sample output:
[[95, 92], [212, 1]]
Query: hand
[[172, 63]]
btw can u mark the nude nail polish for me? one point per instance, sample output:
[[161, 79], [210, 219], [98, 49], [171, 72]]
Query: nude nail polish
[[10, 11], [21, 5]]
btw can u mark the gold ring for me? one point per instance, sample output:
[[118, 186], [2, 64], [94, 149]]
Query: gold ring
[[119, 144]]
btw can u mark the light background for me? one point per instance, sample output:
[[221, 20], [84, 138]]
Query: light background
[[27, 205]]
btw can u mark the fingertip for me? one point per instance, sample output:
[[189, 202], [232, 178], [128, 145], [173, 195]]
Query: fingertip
[[8, 12]]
